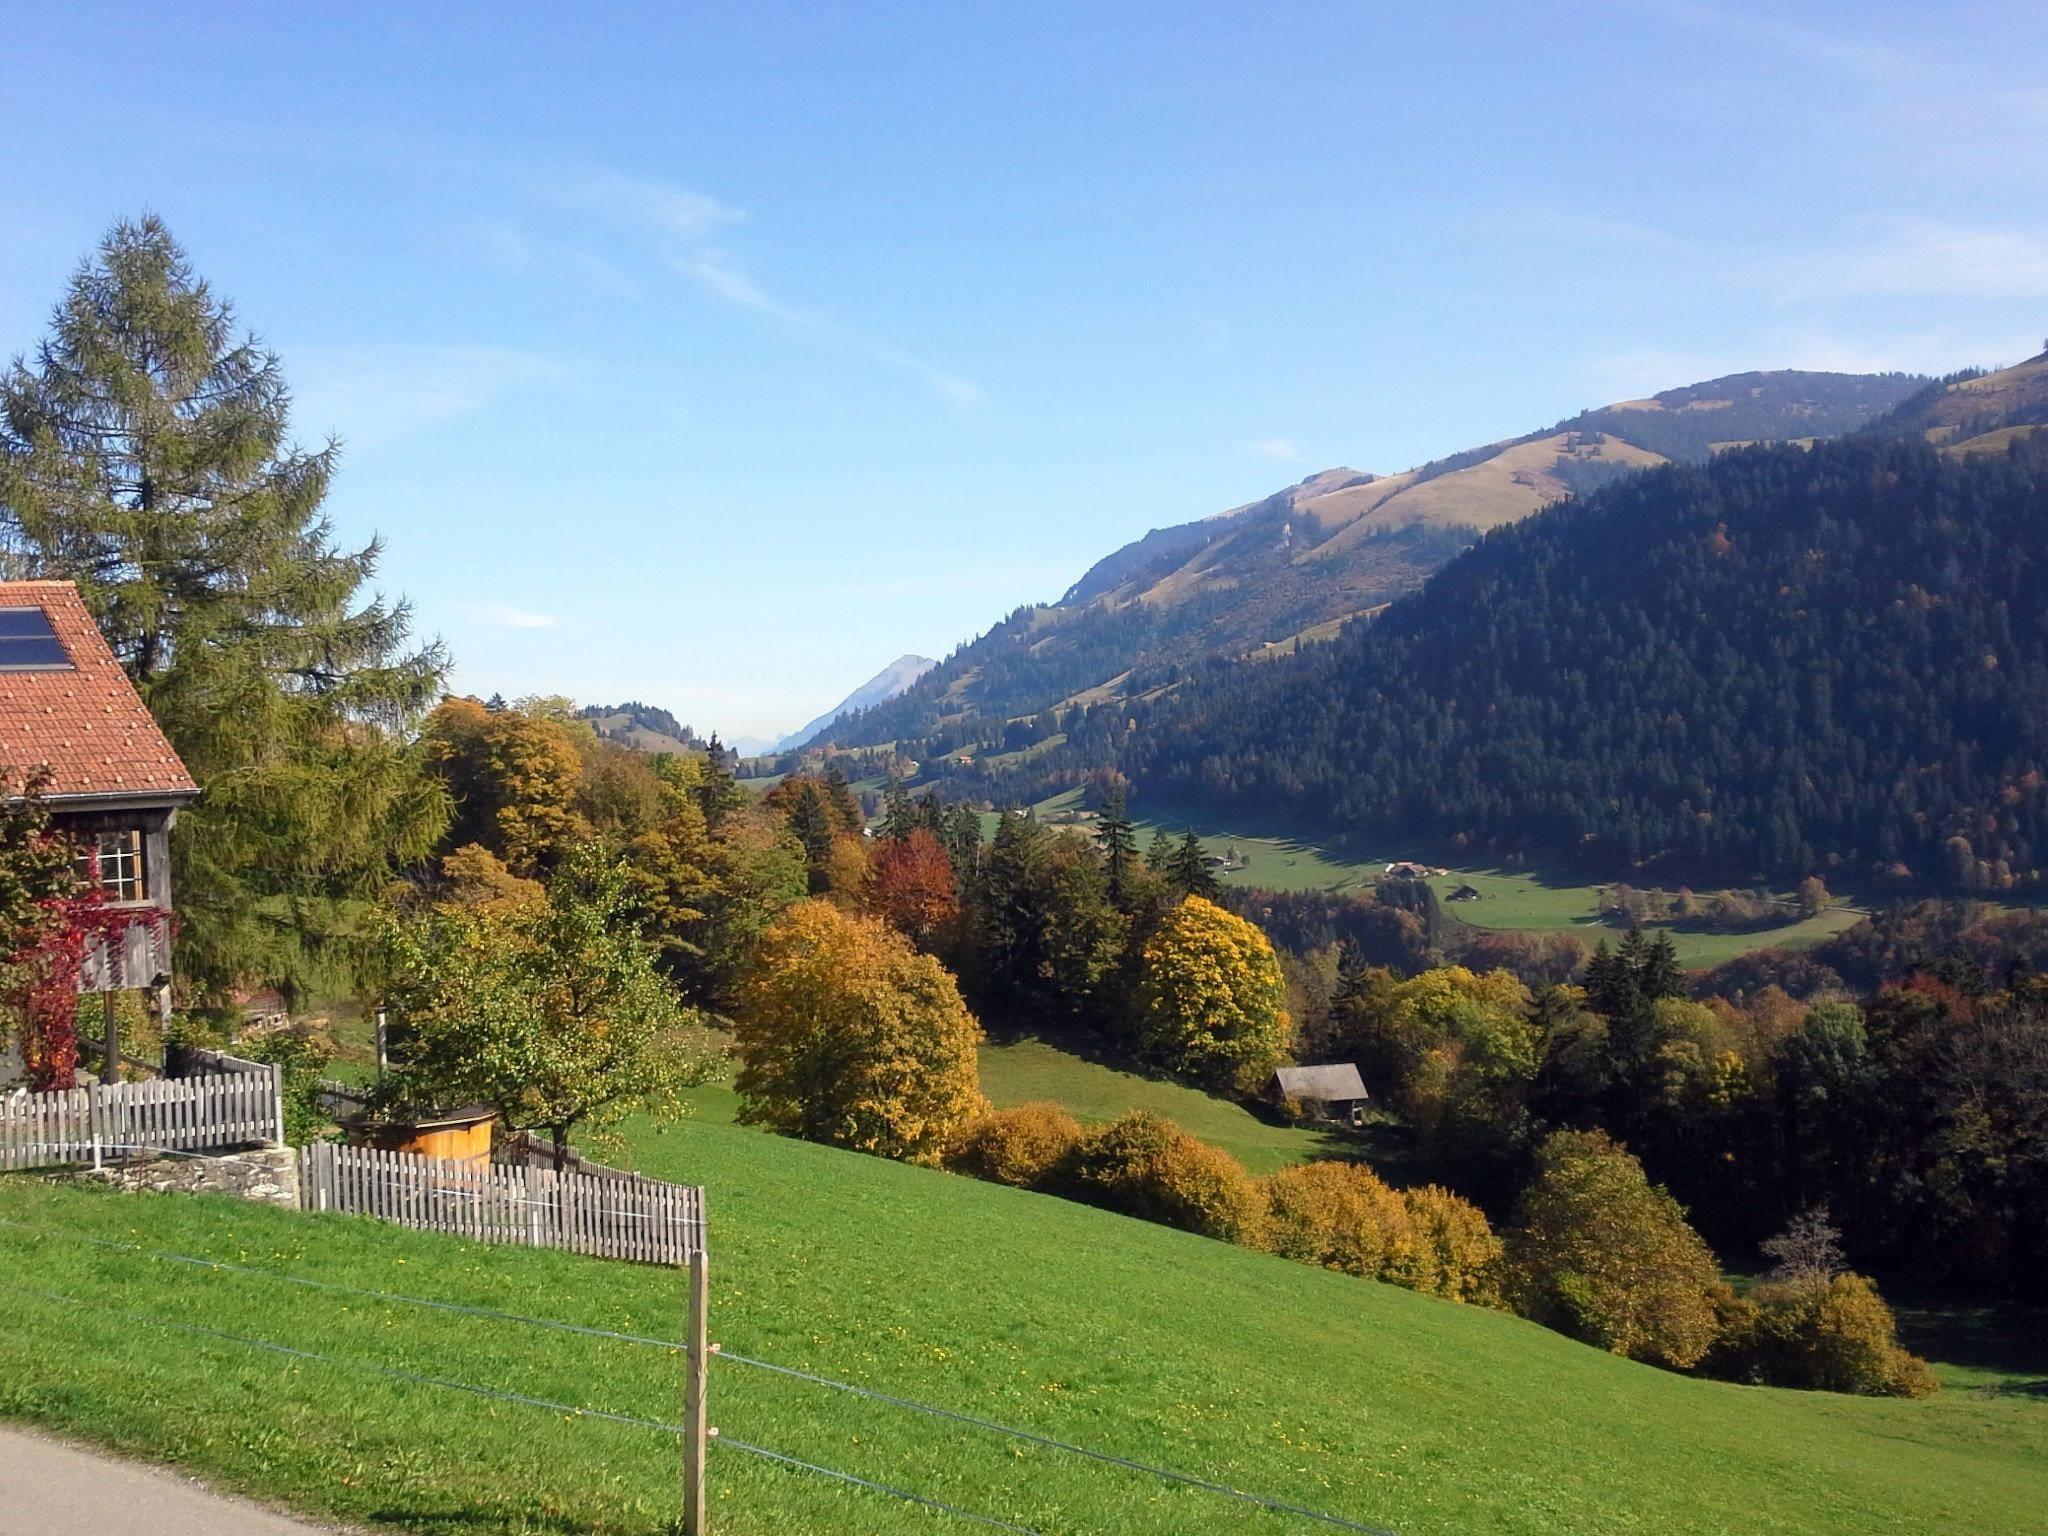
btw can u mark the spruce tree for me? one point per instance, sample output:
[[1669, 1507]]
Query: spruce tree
[[144, 454], [899, 816], [1189, 870], [1119, 846]]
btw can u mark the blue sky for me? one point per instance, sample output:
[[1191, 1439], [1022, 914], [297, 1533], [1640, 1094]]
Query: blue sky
[[717, 354]]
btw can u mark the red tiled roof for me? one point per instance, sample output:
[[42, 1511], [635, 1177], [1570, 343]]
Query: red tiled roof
[[87, 723]]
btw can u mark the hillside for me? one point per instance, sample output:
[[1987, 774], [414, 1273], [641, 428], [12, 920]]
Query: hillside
[[1975, 412], [879, 689], [641, 725], [1372, 1403], [1778, 662], [1335, 545]]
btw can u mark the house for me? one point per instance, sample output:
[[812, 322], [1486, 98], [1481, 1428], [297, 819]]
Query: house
[[115, 784], [1333, 1091], [1408, 869]]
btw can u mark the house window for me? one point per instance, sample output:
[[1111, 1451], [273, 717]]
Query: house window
[[120, 860]]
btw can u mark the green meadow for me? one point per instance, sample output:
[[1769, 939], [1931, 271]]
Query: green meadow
[[1383, 1407]]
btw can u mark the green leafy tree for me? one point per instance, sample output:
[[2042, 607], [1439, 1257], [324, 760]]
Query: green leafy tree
[[144, 455], [551, 1012]]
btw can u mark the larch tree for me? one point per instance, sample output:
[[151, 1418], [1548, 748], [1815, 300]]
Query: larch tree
[[144, 454]]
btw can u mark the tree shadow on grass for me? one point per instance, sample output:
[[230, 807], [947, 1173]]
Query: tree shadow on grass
[[2003, 1340]]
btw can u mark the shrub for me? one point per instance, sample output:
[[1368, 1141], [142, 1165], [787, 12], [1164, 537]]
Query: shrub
[[1338, 1215], [1453, 1252], [1146, 1166], [1605, 1256], [1819, 1335], [1021, 1147]]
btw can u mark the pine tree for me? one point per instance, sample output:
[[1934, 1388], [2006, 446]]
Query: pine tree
[[1159, 853], [144, 455]]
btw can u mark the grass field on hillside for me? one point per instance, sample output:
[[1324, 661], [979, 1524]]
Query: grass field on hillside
[[1389, 1408], [1026, 1070], [1508, 899]]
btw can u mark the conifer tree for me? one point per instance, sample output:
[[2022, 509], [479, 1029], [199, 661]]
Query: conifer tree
[[1119, 846], [144, 454], [1188, 869]]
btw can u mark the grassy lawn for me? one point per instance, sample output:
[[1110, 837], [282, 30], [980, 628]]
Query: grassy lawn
[[1026, 1070], [1389, 1408]]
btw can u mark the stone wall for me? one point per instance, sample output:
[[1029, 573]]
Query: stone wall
[[266, 1174]]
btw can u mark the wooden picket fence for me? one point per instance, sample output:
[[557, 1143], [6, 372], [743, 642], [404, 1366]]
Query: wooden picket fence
[[614, 1216], [191, 1114]]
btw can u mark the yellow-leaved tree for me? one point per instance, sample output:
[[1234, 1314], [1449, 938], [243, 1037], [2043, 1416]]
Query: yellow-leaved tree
[[1210, 997], [847, 1035]]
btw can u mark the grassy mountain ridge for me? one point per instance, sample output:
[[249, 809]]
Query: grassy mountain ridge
[[1333, 545], [1975, 412]]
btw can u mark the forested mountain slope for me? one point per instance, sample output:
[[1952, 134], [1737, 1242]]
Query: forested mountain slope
[[1778, 662], [1254, 579]]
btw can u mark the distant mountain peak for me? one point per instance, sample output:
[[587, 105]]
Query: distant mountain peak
[[879, 689]]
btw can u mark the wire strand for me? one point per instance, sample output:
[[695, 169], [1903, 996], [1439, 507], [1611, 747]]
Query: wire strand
[[570, 1410], [1275, 1506]]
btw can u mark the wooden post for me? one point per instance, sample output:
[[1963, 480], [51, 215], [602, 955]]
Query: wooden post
[[696, 1368], [111, 1040]]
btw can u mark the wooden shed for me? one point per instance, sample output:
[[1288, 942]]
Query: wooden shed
[[455, 1135], [1333, 1091]]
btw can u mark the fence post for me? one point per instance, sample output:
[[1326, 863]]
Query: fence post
[[696, 1368]]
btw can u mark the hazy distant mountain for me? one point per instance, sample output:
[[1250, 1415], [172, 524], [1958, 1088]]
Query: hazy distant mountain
[[1257, 579], [879, 689], [751, 746]]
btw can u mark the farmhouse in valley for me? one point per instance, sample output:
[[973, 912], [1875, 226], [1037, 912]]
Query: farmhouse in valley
[[114, 784], [1333, 1091]]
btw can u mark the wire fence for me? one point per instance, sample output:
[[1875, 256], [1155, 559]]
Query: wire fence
[[1273, 1506]]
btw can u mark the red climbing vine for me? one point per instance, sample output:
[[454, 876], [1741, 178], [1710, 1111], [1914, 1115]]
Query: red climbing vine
[[75, 925]]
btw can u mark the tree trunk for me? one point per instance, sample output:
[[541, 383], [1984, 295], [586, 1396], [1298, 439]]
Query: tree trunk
[[561, 1136]]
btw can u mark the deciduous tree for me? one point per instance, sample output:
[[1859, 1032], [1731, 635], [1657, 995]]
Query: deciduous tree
[[847, 1035], [1211, 1001], [550, 1011]]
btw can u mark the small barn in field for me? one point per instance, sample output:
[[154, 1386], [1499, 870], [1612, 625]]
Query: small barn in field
[[1333, 1091]]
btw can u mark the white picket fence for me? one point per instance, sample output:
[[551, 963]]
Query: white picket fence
[[614, 1216], [83, 1125]]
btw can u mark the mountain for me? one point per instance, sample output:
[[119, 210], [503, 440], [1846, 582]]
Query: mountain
[[1262, 578], [1777, 662], [640, 725], [879, 689]]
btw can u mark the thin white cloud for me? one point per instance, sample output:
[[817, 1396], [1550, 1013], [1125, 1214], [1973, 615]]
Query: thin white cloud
[[690, 230], [369, 395], [1850, 51], [1922, 258], [1284, 449], [505, 616]]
